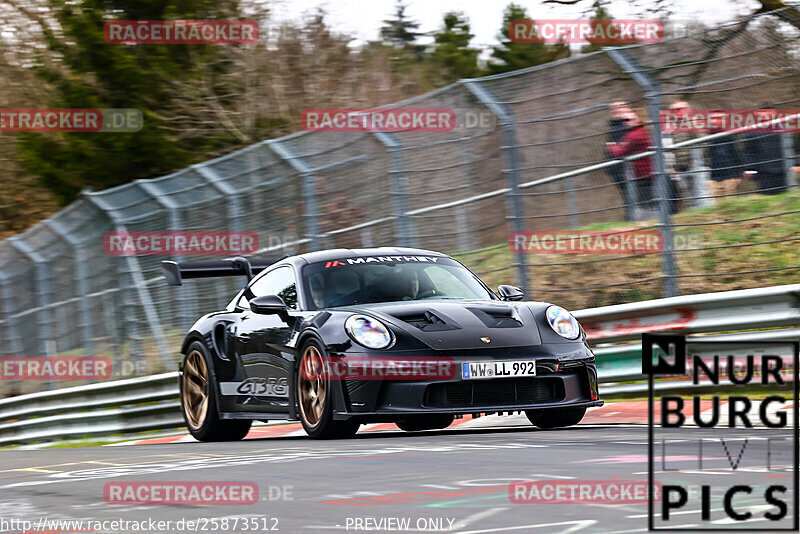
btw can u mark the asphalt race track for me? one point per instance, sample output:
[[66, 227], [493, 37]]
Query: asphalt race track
[[455, 480]]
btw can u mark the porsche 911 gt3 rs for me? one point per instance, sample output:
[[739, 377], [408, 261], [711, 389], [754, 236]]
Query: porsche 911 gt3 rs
[[338, 338]]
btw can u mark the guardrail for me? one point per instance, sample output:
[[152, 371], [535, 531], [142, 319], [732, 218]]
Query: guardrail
[[149, 403], [726, 311], [134, 404]]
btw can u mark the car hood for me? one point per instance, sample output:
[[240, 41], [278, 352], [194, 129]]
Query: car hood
[[462, 324]]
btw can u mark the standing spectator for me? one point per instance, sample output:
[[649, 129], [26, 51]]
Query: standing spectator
[[724, 160], [619, 173], [763, 157], [681, 157], [637, 139]]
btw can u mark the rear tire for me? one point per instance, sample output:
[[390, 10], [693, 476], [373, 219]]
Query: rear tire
[[425, 422], [198, 388], [315, 396], [556, 418]]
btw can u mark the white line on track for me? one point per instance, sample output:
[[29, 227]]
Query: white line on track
[[644, 529], [576, 526], [464, 523]]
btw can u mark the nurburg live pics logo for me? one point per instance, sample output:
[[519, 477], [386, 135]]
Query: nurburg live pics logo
[[745, 478]]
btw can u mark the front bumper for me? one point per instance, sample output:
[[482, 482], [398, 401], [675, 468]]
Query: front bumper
[[575, 386]]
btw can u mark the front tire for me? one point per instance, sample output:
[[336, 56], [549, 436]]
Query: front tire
[[199, 401], [425, 422], [315, 397], [555, 418]]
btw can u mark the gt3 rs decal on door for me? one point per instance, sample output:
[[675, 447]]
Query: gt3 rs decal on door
[[257, 387]]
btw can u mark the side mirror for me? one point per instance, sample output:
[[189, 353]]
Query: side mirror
[[509, 292], [268, 305]]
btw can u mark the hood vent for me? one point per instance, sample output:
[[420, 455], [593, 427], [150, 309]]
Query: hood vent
[[498, 317], [428, 321]]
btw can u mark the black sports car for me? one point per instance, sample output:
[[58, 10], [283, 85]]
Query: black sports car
[[342, 337]]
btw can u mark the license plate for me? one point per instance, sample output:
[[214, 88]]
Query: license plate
[[497, 369]]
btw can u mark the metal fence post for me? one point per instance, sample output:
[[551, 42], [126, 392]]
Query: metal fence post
[[403, 223], [700, 176], [186, 305], [41, 282], [631, 194], [462, 223], [233, 208], [81, 283], [572, 204], [234, 204], [508, 124], [41, 292], [309, 189], [465, 240], [787, 144], [12, 341], [153, 321], [138, 281], [629, 66]]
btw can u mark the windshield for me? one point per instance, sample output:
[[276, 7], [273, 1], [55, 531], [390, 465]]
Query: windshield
[[363, 280]]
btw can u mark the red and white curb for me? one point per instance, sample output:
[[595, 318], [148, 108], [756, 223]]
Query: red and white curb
[[625, 412], [272, 430]]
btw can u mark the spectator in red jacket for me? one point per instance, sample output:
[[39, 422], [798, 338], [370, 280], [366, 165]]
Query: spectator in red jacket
[[637, 139]]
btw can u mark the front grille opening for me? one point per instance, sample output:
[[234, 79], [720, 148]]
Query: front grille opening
[[499, 392]]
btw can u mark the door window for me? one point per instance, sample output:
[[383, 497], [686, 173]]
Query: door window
[[278, 282]]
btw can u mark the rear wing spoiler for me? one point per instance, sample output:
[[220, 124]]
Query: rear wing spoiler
[[176, 272]]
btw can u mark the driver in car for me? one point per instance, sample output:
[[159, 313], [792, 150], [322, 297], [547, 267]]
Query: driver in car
[[317, 293], [412, 281], [402, 284]]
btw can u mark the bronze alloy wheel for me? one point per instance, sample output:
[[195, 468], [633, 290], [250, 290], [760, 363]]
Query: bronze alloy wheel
[[312, 387], [195, 389]]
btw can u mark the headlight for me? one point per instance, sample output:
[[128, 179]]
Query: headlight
[[562, 322], [368, 332]]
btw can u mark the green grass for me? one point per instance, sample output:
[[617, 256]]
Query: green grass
[[495, 263]]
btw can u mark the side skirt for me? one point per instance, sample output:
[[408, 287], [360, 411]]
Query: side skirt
[[255, 415]]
